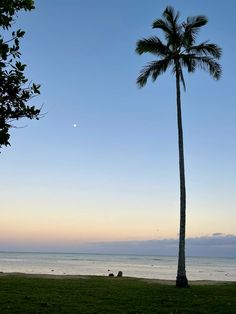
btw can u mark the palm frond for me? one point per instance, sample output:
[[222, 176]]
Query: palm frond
[[170, 26], [192, 27], [153, 69], [170, 15], [152, 45], [196, 21], [163, 25], [188, 61], [210, 65], [206, 49]]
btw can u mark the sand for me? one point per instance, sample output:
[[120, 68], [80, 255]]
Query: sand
[[159, 281]]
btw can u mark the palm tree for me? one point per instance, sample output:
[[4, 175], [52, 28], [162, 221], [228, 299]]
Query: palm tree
[[179, 51]]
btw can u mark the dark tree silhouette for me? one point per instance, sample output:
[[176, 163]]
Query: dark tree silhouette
[[15, 90], [179, 51]]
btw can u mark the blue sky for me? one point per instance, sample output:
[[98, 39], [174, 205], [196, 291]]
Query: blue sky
[[115, 176]]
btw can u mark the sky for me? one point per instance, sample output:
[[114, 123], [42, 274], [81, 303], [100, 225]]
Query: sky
[[114, 177]]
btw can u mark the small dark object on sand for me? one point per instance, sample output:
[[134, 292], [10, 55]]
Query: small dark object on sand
[[120, 274], [111, 275]]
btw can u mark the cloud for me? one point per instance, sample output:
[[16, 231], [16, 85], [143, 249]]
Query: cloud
[[217, 234], [222, 245], [215, 245]]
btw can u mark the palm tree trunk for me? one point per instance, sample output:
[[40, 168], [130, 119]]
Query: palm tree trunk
[[181, 279]]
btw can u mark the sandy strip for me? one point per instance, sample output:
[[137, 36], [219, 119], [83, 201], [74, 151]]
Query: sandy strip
[[49, 276], [158, 281], [191, 282]]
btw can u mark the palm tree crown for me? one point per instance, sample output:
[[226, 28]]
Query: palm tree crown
[[180, 50]]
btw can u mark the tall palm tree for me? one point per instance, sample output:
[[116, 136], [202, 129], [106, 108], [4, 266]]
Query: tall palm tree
[[179, 51]]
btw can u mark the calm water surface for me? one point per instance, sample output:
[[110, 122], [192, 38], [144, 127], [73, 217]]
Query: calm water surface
[[162, 267]]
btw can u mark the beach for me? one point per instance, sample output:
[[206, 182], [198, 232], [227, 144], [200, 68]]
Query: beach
[[88, 277]]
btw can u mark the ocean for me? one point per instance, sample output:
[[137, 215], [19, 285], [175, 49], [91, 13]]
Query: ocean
[[156, 267]]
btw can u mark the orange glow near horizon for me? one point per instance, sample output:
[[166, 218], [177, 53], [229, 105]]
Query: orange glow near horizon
[[80, 227], [58, 218]]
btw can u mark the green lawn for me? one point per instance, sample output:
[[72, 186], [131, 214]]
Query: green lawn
[[20, 294]]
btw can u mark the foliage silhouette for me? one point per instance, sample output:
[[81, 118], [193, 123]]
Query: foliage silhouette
[[15, 90], [179, 51]]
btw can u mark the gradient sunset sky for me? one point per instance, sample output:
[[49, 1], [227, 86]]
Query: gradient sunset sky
[[114, 177]]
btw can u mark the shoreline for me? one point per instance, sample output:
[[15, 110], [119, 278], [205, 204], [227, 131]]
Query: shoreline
[[201, 282]]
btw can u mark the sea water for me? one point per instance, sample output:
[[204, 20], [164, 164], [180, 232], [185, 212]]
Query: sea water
[[156, 267]]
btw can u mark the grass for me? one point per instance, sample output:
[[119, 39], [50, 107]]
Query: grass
[[22, 294]]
